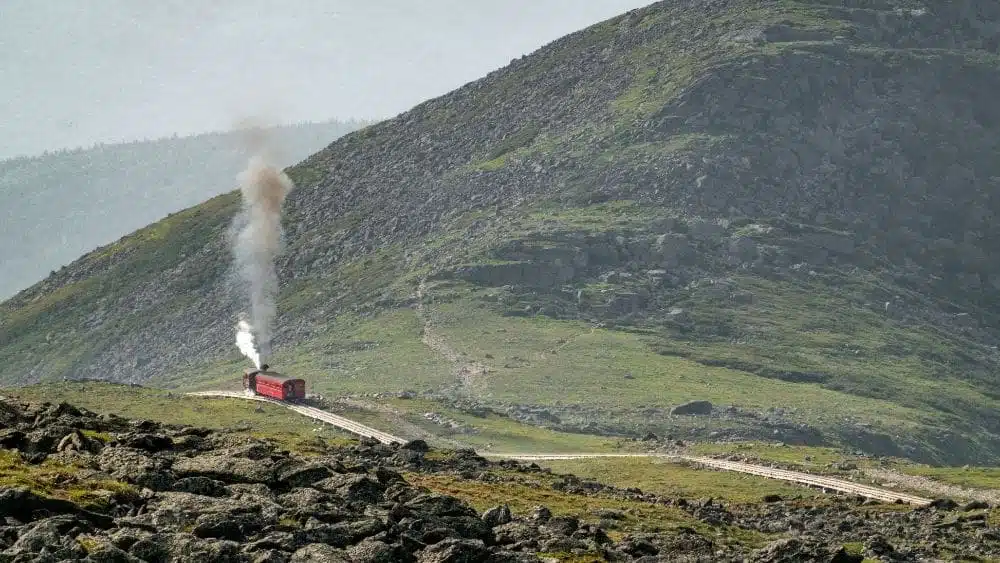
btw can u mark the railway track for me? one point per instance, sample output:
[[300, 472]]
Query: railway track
[[821, 482], [340, 422], [826, 483]]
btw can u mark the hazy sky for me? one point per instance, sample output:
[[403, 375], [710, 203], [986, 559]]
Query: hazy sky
[[74, 72]]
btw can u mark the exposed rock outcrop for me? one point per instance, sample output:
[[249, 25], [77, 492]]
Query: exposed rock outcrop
[[224, 497]]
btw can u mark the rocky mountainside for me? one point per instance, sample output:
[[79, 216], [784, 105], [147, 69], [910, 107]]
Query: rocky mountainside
[[81, 486], [782, 207], [60, 205]]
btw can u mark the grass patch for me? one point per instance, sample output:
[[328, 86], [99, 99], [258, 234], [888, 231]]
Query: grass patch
[[58, 480], [854, 548], [559, 362], [968, 477], [88, 543], [547, 218], [289, 521], [366, 356], [103, 437], [514, 141], [523, 493], [493, 164], [501, 434], [352, 355], [807, 457], [522, 498], [809, 327]]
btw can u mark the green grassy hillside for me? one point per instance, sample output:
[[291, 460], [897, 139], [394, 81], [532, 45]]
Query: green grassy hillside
[[782, 207]]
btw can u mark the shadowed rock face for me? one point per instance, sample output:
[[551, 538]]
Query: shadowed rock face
[[195, 496], [693, 407]]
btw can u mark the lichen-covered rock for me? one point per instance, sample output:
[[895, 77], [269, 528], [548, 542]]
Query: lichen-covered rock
[[497, 516], [152, 549], [301, 475], [319, 553], [107, 553], [352, 506], [228, 526], [226, 468], [353, 487], [129, 464], [55, 535], [454, 550], [186, 547], [269, 556], [201, 486], [374, 551]]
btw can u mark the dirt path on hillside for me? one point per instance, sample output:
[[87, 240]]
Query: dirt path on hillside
[[469, 374]]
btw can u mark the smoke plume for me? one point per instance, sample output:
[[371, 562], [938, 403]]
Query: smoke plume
[[258, 241], [244, 341]]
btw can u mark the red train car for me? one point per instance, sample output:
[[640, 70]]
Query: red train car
[[274, 385]]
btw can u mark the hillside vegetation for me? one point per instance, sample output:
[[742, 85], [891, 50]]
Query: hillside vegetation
[[785, 208], [56, 206]]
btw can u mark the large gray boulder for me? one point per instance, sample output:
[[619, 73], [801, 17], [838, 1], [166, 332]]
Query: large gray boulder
[[693, 408]]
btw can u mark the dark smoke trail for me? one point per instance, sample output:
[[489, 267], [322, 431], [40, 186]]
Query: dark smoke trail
[[258, 242]]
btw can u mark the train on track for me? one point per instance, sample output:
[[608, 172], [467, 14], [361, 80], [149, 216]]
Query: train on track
[[260, 381]]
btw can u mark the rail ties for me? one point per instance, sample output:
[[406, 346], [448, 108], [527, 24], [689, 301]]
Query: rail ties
[[830, 483], [314, 413], [826, 483]]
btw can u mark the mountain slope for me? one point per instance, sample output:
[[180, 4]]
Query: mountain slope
[[782, 207], [60, 205]]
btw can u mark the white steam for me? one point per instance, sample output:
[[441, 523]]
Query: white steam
[[244, 341], [257, 244]]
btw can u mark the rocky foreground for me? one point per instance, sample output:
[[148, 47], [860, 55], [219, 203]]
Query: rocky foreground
[[122, 490]]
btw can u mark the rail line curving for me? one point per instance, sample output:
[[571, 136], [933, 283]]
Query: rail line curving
[[822, 482], [335, 420]]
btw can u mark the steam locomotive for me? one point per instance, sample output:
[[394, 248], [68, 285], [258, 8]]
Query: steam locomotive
[[273, 384]]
